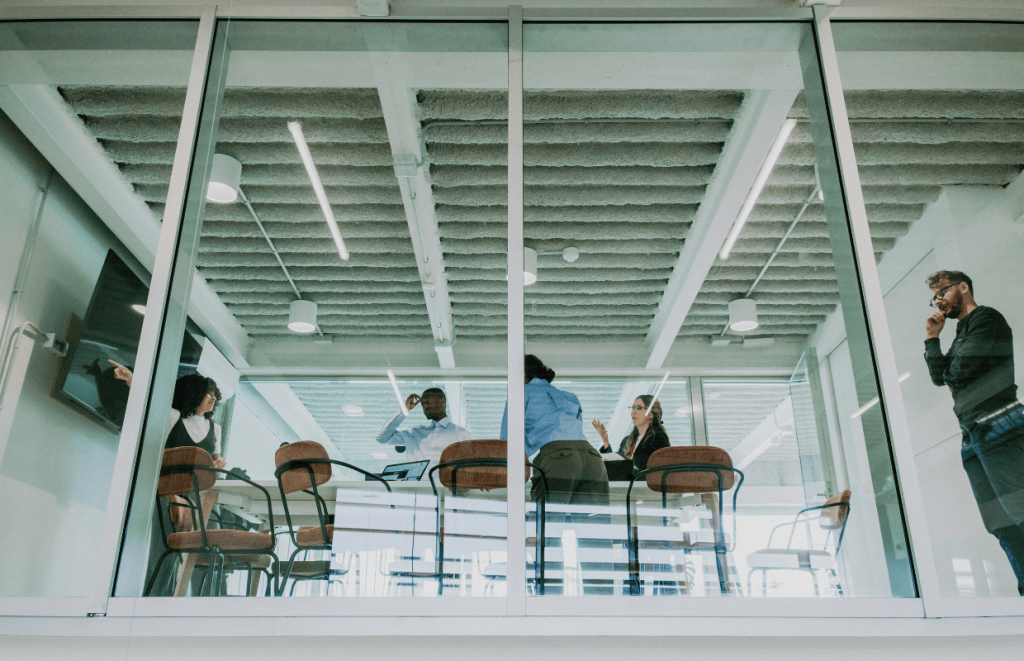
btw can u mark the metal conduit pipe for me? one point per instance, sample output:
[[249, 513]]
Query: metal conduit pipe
[[11, 353], [273, 248], [10, 340], [782, 242], [26, 258]]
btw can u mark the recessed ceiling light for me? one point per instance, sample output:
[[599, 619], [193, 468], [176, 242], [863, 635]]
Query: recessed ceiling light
[[378, 455], [352, 410], [141, 309], [682, 411]]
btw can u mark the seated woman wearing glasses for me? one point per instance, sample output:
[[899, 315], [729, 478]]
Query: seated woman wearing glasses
[[192, 406], [647, 436]]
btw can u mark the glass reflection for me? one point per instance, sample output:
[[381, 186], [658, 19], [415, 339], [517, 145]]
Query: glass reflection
[[938, 153]]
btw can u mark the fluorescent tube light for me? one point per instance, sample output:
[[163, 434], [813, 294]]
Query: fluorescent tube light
[[874, 400], [398, 393], [318, 187], [755, 190]]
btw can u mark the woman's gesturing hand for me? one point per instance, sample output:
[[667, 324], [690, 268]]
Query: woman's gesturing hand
[[121, 372], [601, 431]]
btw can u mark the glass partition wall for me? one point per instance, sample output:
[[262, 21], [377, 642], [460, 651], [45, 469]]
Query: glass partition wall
[[327, 219], [78, 246], [938, 132], [328, 416], [683, 212]]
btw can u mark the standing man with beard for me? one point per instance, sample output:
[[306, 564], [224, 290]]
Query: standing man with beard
[[978, 369]]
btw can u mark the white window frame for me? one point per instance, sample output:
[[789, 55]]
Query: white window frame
[[513, 614]]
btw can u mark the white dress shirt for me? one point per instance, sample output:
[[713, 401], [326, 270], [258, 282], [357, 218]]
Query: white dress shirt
[[423, 442]]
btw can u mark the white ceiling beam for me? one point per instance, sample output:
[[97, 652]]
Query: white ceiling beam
[[398, 103], [282, 399], [767, 434], [753, 132], [47, 121]]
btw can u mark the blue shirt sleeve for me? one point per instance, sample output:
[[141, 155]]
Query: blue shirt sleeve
[[390, 434], [504, 424]]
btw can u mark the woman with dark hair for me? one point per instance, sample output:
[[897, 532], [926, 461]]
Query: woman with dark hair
[[192, 406], [647, 436], [554, 439]]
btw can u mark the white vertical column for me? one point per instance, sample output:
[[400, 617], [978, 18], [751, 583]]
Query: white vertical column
[[878, 326], [516, 343], [156, 307]]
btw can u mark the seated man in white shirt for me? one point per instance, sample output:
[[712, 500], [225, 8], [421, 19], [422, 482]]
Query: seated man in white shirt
[[426, 441]]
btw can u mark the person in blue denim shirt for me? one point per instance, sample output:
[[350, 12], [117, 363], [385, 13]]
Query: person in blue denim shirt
[[554, 433], [978, 370]]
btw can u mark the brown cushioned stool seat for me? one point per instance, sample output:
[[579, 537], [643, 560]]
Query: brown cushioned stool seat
[[313, 536], [227, 540]]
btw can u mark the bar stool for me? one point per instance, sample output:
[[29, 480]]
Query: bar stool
[[186, 472], [483, 465], [303, 466], [688, 469]]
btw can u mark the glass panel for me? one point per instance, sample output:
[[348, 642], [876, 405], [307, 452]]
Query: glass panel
[[683, 205], [328, 233], [77, 251], [938, 132]]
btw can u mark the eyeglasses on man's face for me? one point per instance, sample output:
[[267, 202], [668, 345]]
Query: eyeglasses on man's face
[[637, 408], [940, 294]]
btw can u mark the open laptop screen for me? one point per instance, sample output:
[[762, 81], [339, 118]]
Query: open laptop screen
[[407, 472]]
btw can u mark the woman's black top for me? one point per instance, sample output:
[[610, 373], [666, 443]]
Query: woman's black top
[[654, 439], [179, 438]]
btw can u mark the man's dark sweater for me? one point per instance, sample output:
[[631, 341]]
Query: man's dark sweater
[[978, 366]]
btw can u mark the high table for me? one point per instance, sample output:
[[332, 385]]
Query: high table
[[585, 544]]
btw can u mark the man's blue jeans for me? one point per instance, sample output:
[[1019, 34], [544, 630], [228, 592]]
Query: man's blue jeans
[[993, 456]]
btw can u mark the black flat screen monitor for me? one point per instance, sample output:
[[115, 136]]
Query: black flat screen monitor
[[111, 331]]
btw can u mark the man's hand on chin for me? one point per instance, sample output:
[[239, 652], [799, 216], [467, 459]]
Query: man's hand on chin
[[934, 324]]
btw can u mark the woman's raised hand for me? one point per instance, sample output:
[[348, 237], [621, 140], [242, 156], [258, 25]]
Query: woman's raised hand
[[600, 430], [121, 372]]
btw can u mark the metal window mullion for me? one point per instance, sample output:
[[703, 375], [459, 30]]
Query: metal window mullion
[[699, 425], [159, 290], [878, 327], [170, 291], [516, 572]]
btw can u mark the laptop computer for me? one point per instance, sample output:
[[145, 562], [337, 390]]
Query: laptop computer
[[410, 471], [620, 470]]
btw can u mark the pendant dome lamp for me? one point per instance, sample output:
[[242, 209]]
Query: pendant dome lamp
[[743, 315], [529, 266], [302, 316], [225, 178]]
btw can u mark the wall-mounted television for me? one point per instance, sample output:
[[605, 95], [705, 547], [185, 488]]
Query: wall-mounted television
[[110, 331]]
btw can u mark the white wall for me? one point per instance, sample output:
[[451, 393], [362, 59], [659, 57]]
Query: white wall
[[257, 430], [56, 464], [972, 229]]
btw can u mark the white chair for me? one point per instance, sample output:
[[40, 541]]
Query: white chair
[[832, 516]]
